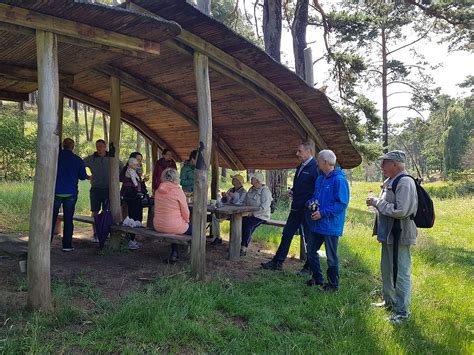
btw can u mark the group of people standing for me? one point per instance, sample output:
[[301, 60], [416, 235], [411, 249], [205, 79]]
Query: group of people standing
[[320, 196]]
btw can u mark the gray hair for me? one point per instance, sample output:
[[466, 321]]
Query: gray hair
[[328, 155], [308, 146], [170, 175]]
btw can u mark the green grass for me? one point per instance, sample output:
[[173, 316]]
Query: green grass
[[275, 312]]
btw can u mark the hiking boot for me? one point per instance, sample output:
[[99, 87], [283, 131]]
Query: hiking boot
[[272, 265], [243, 251], [312, 282], [328, 288], [399, 318], [94, 239], [216, 241], [66, 250], [133, 245], [304, 272]]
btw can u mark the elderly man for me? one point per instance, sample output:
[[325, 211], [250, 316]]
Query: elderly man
[[394, 221], [70, 170], [303, 187], [332, 195], [98, 163]]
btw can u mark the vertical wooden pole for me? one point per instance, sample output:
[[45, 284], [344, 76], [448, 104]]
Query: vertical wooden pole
[[236, 236], [309, 78], [114, 138], [215, 172], [57, 227], [39, 278], [198, 242]]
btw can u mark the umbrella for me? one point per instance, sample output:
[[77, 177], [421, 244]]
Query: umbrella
[[102, 222]]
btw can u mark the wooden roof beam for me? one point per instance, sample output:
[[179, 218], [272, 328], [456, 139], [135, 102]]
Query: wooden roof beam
[[29, 74], [38, 21], [152, 92], [75, 41], [236, 70], [131, 120], [13, 96]]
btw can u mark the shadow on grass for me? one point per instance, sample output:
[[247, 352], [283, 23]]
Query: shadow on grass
[[435, 254]]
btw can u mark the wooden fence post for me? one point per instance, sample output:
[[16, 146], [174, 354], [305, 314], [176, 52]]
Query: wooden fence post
[[39, 278], [198, 242], [114, 139]]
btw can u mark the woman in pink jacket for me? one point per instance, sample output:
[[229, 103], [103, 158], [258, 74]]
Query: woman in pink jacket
[[171, 209]]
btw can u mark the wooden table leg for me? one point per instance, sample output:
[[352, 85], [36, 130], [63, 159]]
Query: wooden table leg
[[235, 236]]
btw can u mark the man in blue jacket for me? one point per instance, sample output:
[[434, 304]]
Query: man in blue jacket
[[332, 194], [303, 188], [70, 169]]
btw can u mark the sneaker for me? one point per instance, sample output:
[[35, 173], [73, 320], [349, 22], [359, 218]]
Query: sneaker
[[399, 318], [328, 288], [272, 265], [383, 304], [68, 249], [312, 282], [304, 272], [243, 252], [216, 241], [133, 245], [94, 239]]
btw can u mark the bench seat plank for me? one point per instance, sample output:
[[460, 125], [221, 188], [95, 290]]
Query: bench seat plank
[[275, 223], [78, 218], [150, 233]]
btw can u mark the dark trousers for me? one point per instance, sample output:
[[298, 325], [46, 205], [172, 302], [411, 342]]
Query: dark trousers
[[174, 247], [314, 242], [249, 224], [295, 220], [135, 210], [69, 206]]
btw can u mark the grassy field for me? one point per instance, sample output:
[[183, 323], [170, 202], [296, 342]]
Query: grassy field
[[273, 312]]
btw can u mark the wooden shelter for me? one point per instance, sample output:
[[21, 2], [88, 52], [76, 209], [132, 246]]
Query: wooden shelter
[[159, 66]]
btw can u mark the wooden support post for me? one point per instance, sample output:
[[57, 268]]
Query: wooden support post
[[114, 139], [309, 78], [236, 240], [215, 172], [198, 242], [39, 278], [57, 227]]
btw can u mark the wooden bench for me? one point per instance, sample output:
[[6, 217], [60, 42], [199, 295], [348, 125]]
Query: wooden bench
[[151, 233]]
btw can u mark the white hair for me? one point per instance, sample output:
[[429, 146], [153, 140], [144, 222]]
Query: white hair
[[170, 175], [328, 155]]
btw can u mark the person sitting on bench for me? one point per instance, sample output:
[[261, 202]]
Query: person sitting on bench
[[171, 209]]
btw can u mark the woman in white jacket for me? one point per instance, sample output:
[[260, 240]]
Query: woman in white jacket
[[258, 195]]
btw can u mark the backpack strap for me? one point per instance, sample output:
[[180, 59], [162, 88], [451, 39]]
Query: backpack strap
[[394, 188]]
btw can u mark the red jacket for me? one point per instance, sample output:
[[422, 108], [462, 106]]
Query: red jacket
[[160, 166]]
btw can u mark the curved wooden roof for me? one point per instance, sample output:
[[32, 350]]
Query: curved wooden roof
[[261, 109]]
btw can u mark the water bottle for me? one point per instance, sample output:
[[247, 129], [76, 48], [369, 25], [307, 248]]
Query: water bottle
[[371, 209]]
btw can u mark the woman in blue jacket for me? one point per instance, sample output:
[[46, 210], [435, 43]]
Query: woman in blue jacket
[[327, 222]]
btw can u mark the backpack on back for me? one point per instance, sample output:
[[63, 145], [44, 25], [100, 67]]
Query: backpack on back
[[425, 214]]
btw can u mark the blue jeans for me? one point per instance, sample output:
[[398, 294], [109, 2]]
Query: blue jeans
[[314, 242], [296, 219], [69, 206], [249, 224]]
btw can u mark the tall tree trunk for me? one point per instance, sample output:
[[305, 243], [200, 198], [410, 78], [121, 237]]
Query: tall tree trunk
[[87, 124], [272, 18], [94, 113], [148, 157], [298, 32], [139, 142], [104, 126], [76, 122], [272, 25], [224, 172], [384, 92]]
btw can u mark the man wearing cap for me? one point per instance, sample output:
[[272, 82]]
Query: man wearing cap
[[392, 206], [70, 170], [303, 188]]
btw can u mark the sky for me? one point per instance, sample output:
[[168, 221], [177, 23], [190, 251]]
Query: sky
[[455, 67]]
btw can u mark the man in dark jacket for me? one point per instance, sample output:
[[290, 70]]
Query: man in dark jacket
[[70, 170], [332, 193], [303, 188]]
